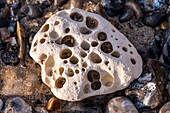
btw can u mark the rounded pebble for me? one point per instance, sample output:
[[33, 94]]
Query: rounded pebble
[[17, 105], [120, 105]]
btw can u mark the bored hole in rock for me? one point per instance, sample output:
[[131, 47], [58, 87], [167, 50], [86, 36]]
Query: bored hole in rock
[[58, 41], [94, 43], [93, 75], [75, 83], [129, 45], [66, 53], [116, 38], [115, 54], [45, 35], [106, 63], [131, 52], [124, 49], [59, 83], [42, 40], [83, 54], [95, 58], [49, 72], [85, 45], [76, 71], [67, 30], [96, 85], [74, 60], [68, 40], [36, 42], [102, 36], [76, 17], [56, 22], [42, 57], [84, 64], [133, 61], [70, 72], [65, 61], [86, 89], [61, 70], [83, 69], [107, 80], [107, 47], [45, 28], [113, 30], [35, 49], [91, 22], [84, 30], [50, 62], [53, 35]]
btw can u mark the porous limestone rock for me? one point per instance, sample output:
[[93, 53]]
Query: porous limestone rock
[[81, 55]]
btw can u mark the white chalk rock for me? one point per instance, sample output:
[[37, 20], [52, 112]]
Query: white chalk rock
[[81, 55]]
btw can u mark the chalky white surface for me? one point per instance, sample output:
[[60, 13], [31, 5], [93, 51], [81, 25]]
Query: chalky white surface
[[115, 75]]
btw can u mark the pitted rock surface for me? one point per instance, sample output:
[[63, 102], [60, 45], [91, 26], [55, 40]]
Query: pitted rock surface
[[81, 55]]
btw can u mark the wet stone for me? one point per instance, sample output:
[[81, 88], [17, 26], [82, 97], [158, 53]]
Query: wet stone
[[150, 5], [165, 108], [147, 90], [53, 104], [39, 109], [126, 15], [17, 105], [1, 104], [32, 11], [9, 58], [112, 7], [153, 19], [120, 105]]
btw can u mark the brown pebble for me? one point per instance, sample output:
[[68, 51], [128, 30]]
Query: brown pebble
[[48, 15], [53, 104], [164, 25]]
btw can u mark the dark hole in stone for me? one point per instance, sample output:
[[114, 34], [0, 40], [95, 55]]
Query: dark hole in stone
[[107, 47], [60, 82], [84, 30], [76, 17], [96, 85], [68, 40], [102, 36], [93, 75], [91, 22]]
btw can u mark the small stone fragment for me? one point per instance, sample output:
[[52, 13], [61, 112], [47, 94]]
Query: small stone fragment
[[9, 58], [120, 105], [126, 15], [32, 11], [1, 104], [112, 7], [148, 89], [164, 25], [39, 109], [150, 5], [153, 19], [17, 105], [53, 104], [165, 108]]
